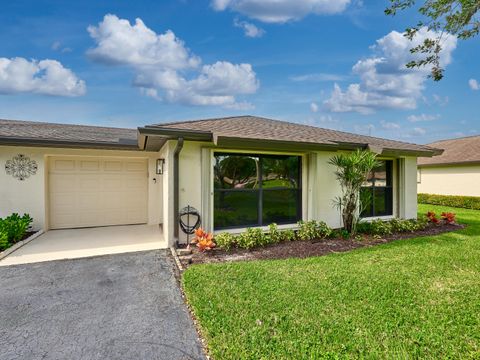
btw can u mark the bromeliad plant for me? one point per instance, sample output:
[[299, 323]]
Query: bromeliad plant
[[448, 217], [203, 240], [352, 171]]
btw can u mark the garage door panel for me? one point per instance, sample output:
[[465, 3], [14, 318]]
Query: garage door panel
[[136, 166], [89, 165], [97, 191], [113, 166], [62, 165]]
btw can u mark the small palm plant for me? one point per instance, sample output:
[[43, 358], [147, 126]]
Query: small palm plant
[[352, 171]]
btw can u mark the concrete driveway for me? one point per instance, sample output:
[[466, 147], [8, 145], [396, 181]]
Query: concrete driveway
[[86, 242], [125, 306]]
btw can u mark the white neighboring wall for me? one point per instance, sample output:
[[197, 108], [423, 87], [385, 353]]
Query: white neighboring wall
[[461, 180]]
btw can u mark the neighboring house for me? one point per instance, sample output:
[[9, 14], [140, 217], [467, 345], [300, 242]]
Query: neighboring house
[[238, 172], [455, 172]]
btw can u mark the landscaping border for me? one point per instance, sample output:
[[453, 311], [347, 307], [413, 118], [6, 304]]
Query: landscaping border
[[19, 244]]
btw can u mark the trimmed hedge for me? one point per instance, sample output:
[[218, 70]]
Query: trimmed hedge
[[466, 202]]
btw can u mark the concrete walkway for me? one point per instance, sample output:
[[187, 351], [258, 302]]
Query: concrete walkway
[[86, 242], [125, 306]]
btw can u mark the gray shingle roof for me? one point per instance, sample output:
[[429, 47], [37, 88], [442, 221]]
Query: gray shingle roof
[[457, 151], [259, 128], [30, 132]]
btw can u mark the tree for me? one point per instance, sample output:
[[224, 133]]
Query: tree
[[455, 17], [352, 171]]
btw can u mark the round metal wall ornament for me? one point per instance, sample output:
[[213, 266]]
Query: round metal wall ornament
[[21, 167]]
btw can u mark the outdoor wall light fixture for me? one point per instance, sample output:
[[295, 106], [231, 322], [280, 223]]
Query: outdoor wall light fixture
[[160, 163]]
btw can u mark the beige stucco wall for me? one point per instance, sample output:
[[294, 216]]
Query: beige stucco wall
[[320, 186], [31, 195], [195, 184], [450, 180]]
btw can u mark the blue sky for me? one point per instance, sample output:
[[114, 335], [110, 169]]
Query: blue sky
[[335, 64]]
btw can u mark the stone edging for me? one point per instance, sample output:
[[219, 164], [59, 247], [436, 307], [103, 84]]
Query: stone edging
[[18, 245], [177, 259]]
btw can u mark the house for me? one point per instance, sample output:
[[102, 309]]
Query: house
[[455, 172], [238, 172]]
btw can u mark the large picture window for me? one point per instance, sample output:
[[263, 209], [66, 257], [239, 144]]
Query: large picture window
[[377, 192], [256, 190]]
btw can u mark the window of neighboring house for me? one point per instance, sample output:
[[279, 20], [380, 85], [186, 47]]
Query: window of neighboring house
[[377, 191], [256, 190], [419, 176]]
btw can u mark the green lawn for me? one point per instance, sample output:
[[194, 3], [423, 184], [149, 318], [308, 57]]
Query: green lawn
[[410, 299]]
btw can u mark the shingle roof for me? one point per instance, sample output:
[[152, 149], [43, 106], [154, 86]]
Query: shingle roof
[[41, 132], [457, 151], [258, 128]]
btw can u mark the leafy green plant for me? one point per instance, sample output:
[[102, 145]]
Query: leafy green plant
[[352, 171], [274, 234], [310, 230], [225, 240], [288, 235], [15, 227], [4, 243], [466, 202], [381, 228], [251, 238]]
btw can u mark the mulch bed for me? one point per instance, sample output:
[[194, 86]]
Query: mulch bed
[[304, 249]]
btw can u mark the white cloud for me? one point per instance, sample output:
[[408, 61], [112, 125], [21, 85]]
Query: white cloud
[[423, 117], [249, 29], [313, 107], [47, 77], [118, 42], [389, 125], [385, 81], [318, 77], [281, 11], [161, 62], [474, 85]]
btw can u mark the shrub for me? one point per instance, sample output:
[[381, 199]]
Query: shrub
[[4, 244], [251, 238], [288, 235], [381, 228], [448, 217], [432, 217], [225, 240], [466, 202], [274, 234], [14, 227], [310, 230]]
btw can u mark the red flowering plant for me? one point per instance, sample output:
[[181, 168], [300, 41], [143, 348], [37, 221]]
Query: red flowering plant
[[203, 240], [432, 217], [448, 217]]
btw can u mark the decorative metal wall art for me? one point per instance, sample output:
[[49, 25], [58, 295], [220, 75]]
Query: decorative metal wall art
[[21, 167]]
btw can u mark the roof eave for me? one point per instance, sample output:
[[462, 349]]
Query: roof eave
[[33, 142], [450, 163]]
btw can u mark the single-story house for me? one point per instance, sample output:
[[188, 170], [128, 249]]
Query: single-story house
[[455, 172], [238, 172]]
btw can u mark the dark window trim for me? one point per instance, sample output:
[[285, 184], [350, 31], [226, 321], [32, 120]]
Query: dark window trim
[[260, 189], [389, 179]]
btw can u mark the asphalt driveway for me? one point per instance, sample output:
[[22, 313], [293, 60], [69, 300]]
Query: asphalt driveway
[[125, 306]]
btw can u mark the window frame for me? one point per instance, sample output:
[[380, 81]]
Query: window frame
[[260, 190], [389, 172]]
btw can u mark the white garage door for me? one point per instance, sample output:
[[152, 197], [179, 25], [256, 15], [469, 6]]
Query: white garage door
[[92, 191]]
